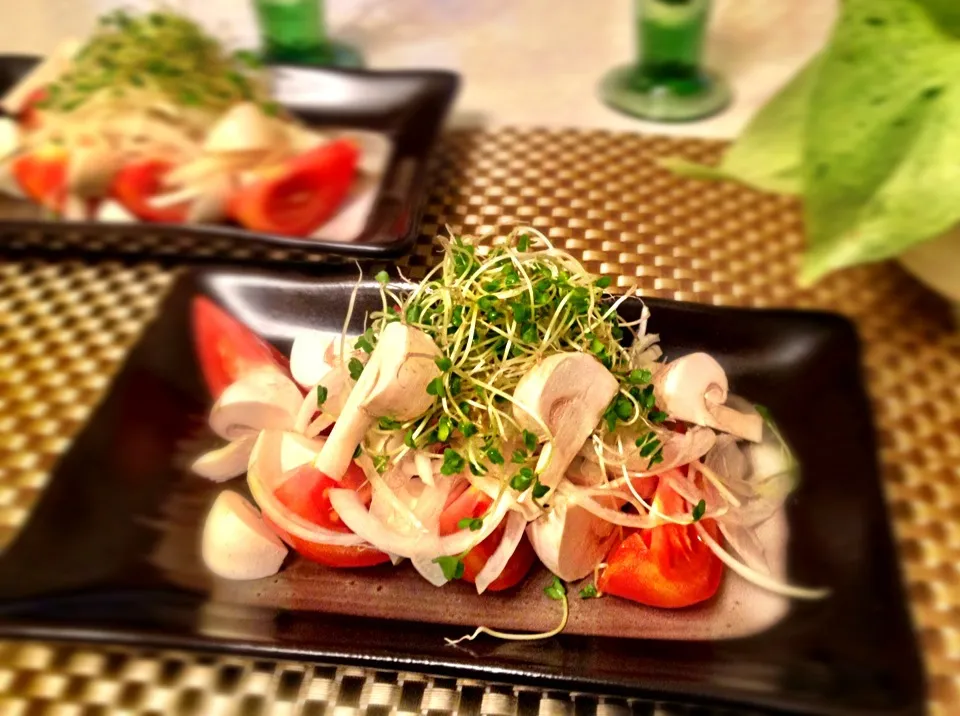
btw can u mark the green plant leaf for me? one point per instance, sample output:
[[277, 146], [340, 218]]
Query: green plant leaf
[[768, 154], [881, 138]]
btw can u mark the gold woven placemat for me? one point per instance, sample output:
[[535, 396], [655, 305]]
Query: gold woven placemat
[[65, 326]]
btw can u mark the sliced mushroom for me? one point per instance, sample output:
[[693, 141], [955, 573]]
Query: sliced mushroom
[[244, 128], [49, 70], [236, 544], [262, 400], [694, 388], [567, 392], [569, 540], [393, 384], [226, 462]]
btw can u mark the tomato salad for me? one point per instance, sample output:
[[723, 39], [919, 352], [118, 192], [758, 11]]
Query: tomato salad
[[151, 120], [499, 413]]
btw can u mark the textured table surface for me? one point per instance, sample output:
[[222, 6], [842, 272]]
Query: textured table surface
[[66, 325]]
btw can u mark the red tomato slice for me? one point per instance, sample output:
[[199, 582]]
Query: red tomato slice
[[43, 176], [306, 493], [226, 348], [469, 502], [29, 117], [331, 555], [137, 183], [300, 195], [668, 566]]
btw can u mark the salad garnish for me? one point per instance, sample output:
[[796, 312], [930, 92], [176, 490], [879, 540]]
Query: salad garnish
[[503, 411]]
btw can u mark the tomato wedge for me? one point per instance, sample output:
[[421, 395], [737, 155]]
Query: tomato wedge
[[227, 349], [29, 117], [300, 195], [331, 555], [668, 566], [138, 183], [469, 502], [43, 176], [306, 493]]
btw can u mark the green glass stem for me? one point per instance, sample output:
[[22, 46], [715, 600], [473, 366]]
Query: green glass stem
[[667, 82], [295, 32]]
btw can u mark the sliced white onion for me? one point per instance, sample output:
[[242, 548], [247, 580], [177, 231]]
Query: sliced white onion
[[424, 465], [321, 423], [308, 409], [414, 546], [745, 542], [763, 581], [226, 462], [614, 517], [512, 535], [262, 400], [428, 508], [338, 384], [265, 470]]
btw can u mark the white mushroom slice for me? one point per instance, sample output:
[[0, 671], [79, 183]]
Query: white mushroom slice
[[236, 543], [694, 388], [112, 212], [313, 355], [567, 392], [262, 400], [92, 169], [226, 462], [569, 540], [9, 137], [244, 128], [15, 101], [393, 384]]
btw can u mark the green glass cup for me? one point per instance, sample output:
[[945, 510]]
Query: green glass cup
[[667, 82], [295, 32]]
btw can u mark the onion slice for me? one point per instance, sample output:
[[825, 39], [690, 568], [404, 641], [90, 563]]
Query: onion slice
[[264, 471], [355, 515], [512, 535], [754, 577]]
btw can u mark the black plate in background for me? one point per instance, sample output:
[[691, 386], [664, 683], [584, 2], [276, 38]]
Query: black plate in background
[[408, 106], [80, 567]]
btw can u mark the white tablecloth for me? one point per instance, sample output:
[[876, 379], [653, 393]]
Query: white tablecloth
[[524, 62]]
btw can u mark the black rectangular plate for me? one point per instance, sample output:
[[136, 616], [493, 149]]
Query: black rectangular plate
[[409, 107], [85, 564]]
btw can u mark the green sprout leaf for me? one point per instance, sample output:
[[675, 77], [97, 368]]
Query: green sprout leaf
[[443, 363], [556, 590], [355, 367], [474, 524], [383, 277], [698, 510], [589, 592], [321, 395], [452, 567], [453, 462]]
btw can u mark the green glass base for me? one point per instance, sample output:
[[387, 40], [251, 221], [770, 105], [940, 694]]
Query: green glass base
[[629, 90], [330, 54]]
